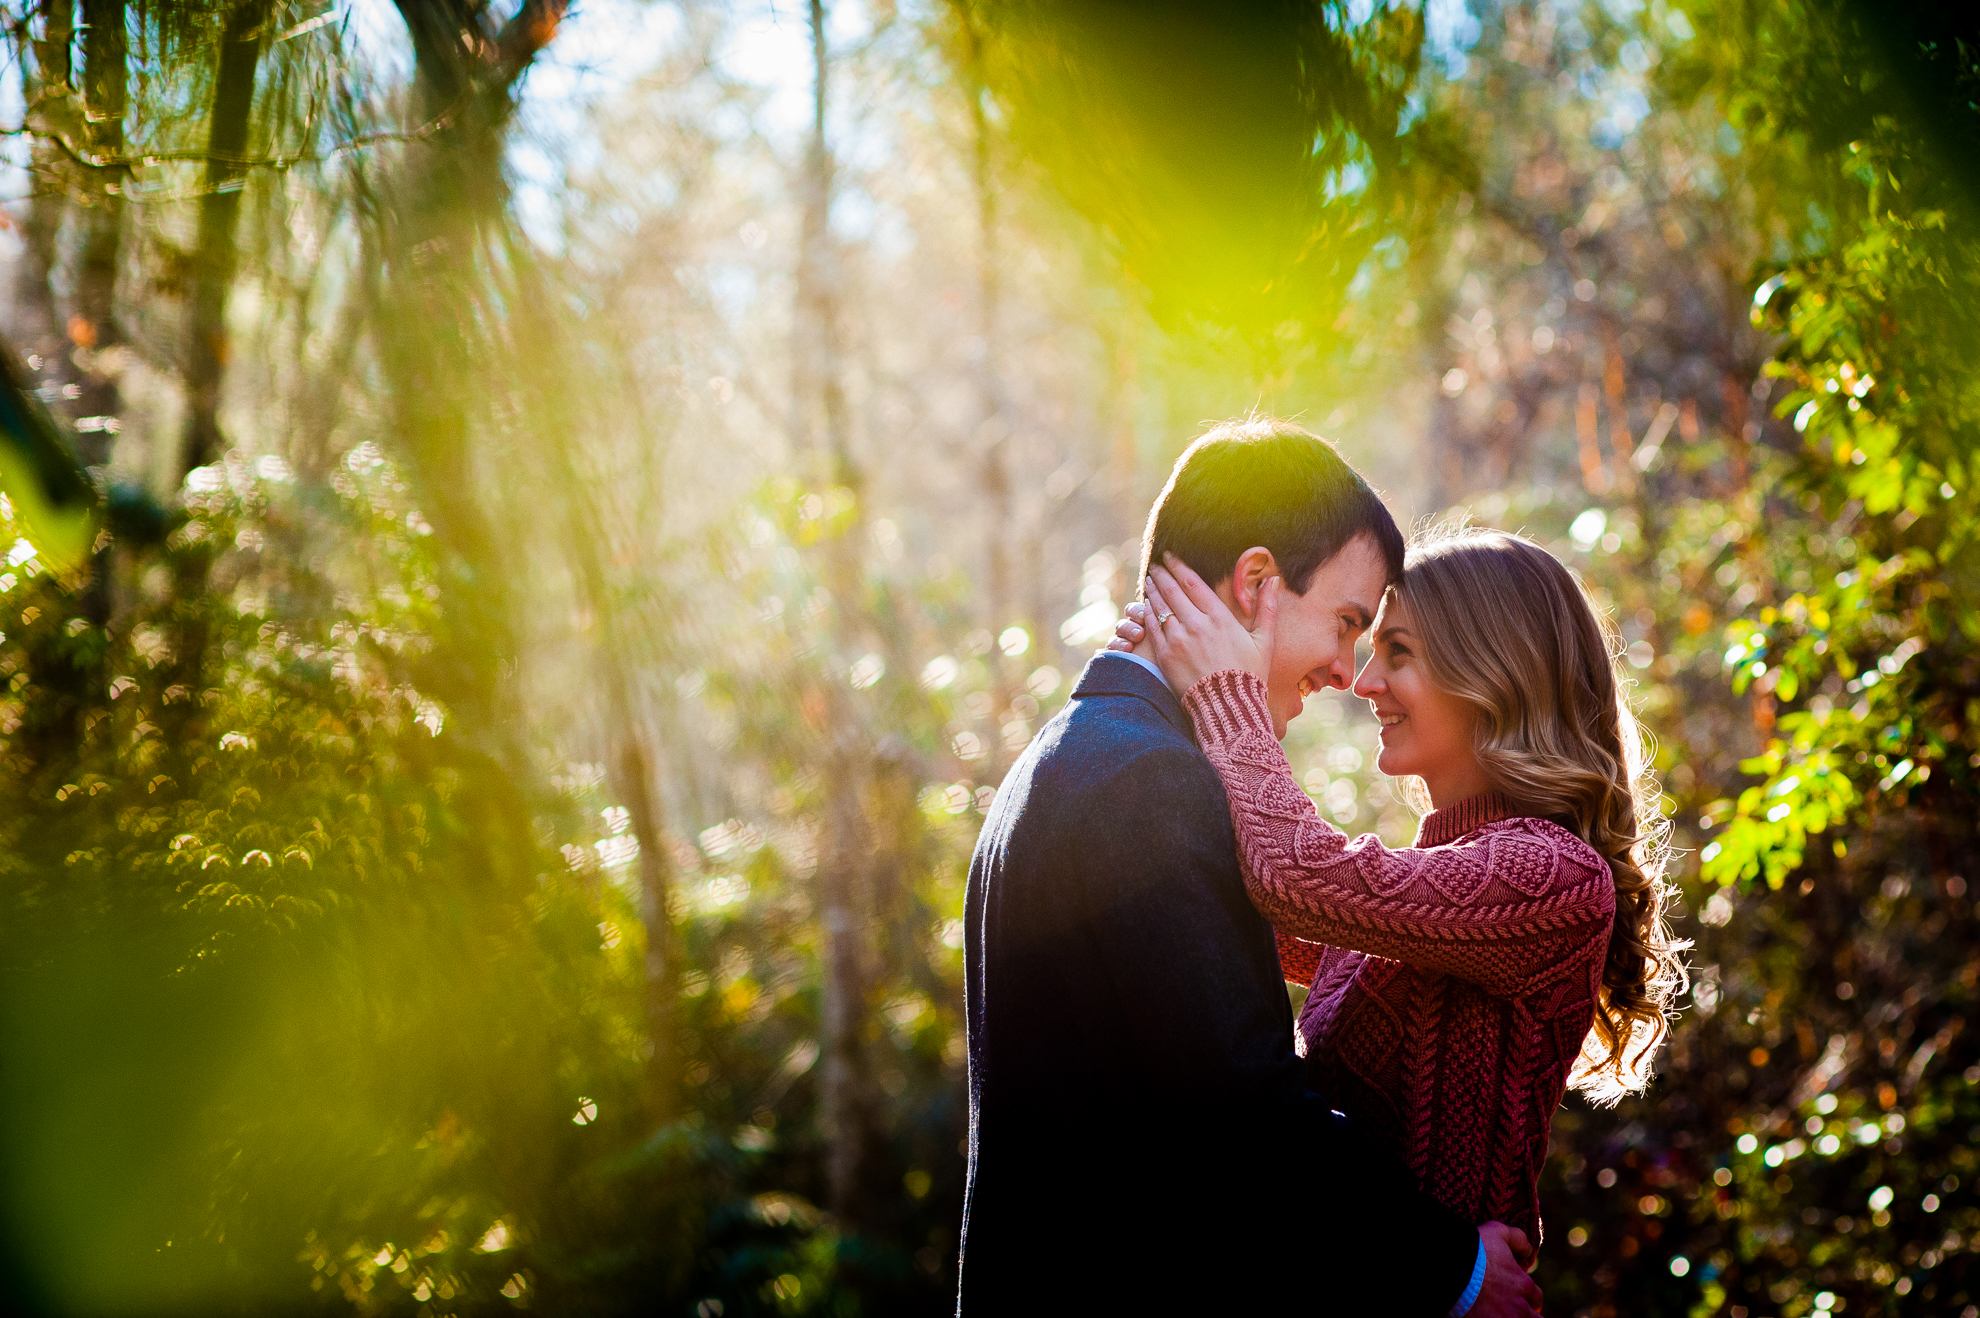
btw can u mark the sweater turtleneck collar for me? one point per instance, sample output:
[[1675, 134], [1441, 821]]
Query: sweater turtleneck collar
[[1461, 817]]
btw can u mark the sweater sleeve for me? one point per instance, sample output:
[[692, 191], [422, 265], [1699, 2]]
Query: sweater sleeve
[[1299, 959], [1498, 908]]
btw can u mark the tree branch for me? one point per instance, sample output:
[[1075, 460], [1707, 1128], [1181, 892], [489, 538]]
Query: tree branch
[[525, 35], [84, 160]]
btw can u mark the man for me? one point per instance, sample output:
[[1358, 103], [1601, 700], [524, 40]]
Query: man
[[1140, 1130]]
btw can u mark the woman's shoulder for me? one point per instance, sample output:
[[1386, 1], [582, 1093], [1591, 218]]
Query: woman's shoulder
[[1550, 837]]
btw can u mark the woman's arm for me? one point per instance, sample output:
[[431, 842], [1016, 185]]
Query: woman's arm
[[1497, 909], [1299, 959]]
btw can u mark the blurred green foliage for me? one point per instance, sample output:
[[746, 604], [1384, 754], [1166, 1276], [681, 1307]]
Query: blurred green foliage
[[1242, 160], [1809, 1148], [341, 967]]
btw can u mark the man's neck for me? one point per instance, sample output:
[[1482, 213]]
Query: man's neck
[[1143, 654]]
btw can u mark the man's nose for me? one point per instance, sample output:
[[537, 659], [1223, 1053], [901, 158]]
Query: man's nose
[[1340, 674]]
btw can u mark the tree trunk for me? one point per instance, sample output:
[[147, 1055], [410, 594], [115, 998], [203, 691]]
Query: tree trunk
[[822, 435], [435, 339], [661, 968], [94, 327], [219, 214], [844, 1106], [68, 677], [820, 425], [41, 328], [229, 120], [993, 430], [51, 52], [633, 768]]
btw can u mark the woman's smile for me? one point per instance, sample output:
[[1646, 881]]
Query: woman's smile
[[1429, 737]]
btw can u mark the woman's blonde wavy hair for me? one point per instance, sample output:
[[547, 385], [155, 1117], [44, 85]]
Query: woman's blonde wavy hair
[[1507, 628]]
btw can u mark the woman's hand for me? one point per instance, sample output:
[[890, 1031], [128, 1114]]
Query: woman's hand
[[1129, 630], [1194, 633], [1508, 1291]]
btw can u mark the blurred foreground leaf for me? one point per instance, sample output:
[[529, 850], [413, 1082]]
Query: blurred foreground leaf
[[50, 494]]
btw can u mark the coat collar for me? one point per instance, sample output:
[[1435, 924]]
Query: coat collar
[[1109, 674]]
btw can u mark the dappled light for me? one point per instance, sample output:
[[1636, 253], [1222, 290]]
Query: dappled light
[[532, 534]]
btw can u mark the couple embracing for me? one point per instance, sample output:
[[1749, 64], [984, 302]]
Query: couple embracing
[[1150, 1129]]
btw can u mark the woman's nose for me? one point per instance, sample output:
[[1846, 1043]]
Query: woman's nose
[[1369, 684]]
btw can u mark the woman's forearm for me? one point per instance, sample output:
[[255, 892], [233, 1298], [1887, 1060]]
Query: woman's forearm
[[1493, 909]]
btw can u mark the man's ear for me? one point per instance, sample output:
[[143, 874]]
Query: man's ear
[[1255, 566]]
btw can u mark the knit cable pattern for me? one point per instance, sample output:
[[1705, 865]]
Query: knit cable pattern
[[1453, 982]]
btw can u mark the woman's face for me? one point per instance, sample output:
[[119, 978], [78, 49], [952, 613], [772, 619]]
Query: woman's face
[[1426, 732]]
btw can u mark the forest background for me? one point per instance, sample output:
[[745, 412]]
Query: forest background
[[537, 529]]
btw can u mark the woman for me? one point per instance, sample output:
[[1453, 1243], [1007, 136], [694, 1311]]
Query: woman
[[1460, 986]]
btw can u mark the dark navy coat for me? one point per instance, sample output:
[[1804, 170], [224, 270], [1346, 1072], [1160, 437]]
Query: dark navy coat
[[1140, 1131]]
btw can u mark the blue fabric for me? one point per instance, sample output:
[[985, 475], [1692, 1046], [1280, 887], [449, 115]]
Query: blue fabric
[[1140, 1130], [1470, 1296], [1144, 662]]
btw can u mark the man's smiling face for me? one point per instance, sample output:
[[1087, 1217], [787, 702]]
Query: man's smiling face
[[1314, 644]]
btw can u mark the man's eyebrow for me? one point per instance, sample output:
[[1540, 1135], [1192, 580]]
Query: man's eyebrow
[[1364, 616]]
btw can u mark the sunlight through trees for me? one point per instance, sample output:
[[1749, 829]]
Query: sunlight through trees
[[532, 533]]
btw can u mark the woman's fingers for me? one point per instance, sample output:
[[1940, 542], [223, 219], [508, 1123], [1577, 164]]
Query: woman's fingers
[[1193, 587], [1158, 608], [1176, 599]]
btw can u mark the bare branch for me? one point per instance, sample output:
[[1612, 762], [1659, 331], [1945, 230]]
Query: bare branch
[[83, 159], [525, 35]]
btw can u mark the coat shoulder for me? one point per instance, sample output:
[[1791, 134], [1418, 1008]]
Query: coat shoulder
[[1120, 745]]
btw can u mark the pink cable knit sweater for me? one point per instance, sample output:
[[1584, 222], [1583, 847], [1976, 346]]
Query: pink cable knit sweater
[[1453, 981]]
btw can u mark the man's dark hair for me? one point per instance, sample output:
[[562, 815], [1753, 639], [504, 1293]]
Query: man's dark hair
[[1263, 481]]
